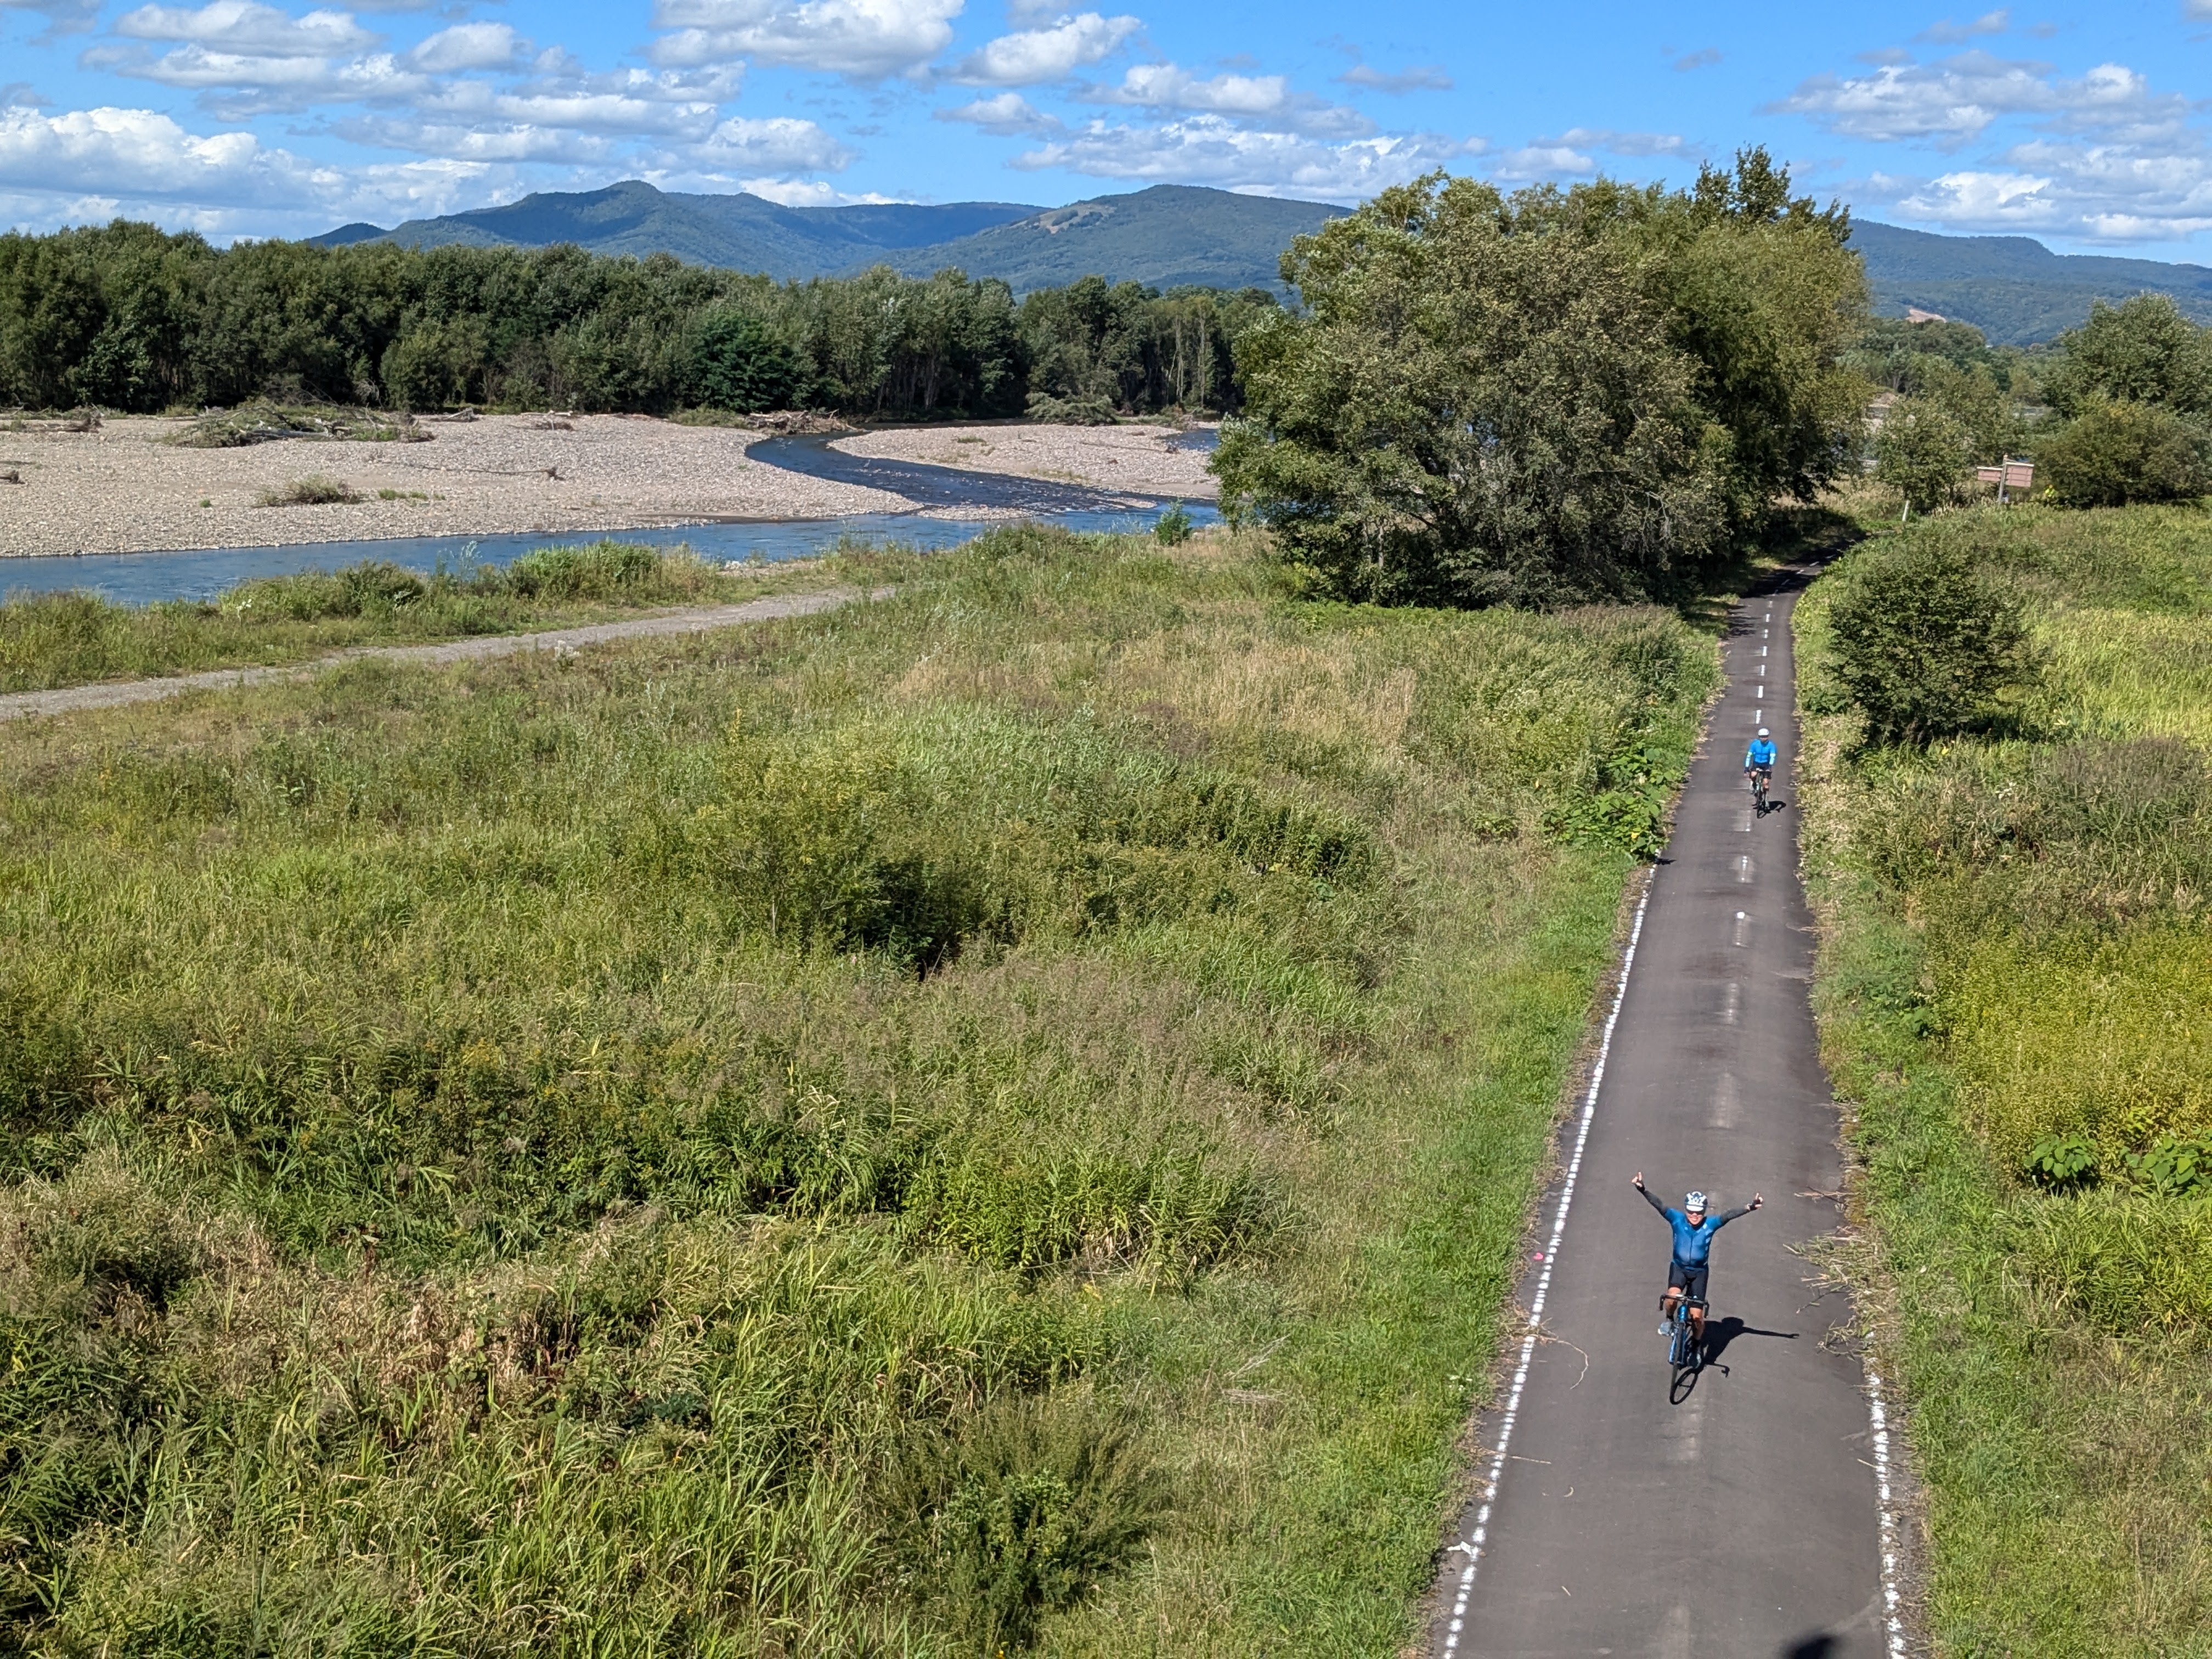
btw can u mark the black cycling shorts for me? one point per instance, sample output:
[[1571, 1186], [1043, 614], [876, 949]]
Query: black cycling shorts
[[1691, 1281]]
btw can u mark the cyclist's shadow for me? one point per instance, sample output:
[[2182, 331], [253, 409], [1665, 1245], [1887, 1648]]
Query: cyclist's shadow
[[1719, 1334]]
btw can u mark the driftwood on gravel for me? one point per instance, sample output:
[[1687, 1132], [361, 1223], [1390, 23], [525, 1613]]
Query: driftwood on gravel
[[262, 423]]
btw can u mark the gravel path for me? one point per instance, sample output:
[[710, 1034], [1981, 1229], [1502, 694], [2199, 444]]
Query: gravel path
[[1142, 459], [122, 490], [698, 620]]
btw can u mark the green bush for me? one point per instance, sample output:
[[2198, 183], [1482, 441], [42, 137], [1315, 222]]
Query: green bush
[[2141, 351], [597, 571], [1173, 527], [2061, 1162], [1023, 1509], [1923, 452], [314, 491], [2112, 455], [2178, 1167], [739, 365], [1925, 643]]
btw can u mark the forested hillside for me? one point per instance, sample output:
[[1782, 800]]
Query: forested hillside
[[1167, 236], [128, 318], [2012, 288]]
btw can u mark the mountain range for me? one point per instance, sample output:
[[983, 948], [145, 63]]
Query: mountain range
[[2014, 289], [1165, 237]]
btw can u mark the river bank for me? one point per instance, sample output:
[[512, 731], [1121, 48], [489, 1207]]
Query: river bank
[[123, 489]]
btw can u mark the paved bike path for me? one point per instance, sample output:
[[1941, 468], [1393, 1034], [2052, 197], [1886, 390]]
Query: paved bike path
[[1740, 1519]]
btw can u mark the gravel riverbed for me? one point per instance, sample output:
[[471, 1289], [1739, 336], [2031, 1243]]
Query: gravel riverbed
[[1144, 459], [120, 490]]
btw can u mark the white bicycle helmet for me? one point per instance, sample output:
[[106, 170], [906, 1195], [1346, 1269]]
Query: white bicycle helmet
[[1694, 1201], [1762, 731]]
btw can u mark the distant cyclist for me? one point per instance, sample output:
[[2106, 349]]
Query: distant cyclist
[[1693, 1247]]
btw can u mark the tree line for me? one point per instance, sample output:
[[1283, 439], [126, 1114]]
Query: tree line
[[2117, 411], [128, 318]]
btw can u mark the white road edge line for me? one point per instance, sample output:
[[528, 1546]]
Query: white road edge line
[[1474, 1544], [1894, 1622]]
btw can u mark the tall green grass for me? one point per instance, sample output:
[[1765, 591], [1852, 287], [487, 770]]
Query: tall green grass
[[2016, 992], [51, 640], [1001, 1116]]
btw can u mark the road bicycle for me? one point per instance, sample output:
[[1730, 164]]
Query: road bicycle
[[1685, 1349], [1760, 779]]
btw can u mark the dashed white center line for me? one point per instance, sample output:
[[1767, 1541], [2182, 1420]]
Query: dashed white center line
[[1473, 1543]]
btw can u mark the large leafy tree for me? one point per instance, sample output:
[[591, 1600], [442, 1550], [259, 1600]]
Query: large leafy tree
[[1551, 395], [1473, 409], [2141, 351]]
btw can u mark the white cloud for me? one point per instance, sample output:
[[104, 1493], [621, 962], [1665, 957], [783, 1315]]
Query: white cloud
[[2108, 194], [93, 163], [62, 17], [262, 84], [1258, 100], [1954, 101], [1008, 115], [2101, 157], [1621, 143], [1417, 77], [483, 143], [469, 46], [249, 29], [779, 144], [1033, 57], [1703, 57], [1541, 160], [866, 39], [1208, 149], [1948, 32]]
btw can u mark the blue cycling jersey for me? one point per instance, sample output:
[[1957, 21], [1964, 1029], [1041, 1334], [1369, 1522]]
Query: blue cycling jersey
[[1761, 753], [1692, 1244]]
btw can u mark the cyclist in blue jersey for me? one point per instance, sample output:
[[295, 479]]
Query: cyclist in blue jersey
[[1693, 1245], [1759, 758]]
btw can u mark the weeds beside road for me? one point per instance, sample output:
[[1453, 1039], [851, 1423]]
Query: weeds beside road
[[1002, 1114], [2016, 966]]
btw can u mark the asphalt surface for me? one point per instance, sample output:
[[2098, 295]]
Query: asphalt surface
[[1739, 1517]]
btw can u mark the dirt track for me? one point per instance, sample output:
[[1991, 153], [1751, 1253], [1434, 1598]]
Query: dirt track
[[115, 694]]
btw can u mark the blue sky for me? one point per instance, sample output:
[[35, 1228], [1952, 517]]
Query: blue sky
[[2087, 125]]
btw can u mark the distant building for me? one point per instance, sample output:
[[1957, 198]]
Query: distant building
[[1915, 315]]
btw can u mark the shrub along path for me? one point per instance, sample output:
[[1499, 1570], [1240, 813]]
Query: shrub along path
[[1738, 1515], [693, 620]]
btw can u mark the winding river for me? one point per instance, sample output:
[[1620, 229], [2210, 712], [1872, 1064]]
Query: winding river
[[943, 491]]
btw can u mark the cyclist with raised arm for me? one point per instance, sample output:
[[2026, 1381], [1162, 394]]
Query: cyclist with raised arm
[[1759, 766], [1692, 1258]]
